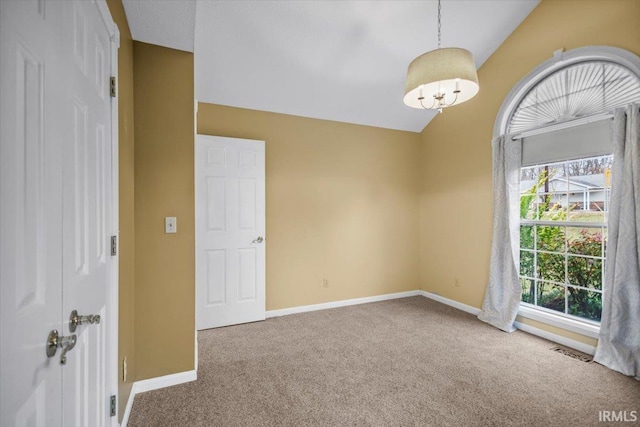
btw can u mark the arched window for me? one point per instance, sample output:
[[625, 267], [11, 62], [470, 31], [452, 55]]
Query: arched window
[[560, 114], [571, 86], [576, 91]]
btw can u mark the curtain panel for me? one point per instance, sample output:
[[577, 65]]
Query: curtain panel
[[502, 297], [619, 340]]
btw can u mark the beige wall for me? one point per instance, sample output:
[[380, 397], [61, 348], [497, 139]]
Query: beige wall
[[342, 204], [455, 201], [163, 168], [126, 194]]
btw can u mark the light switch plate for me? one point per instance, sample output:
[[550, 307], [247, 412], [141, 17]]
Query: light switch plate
[[170, 225]]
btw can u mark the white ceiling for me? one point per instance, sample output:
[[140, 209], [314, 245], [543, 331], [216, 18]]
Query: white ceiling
[[343, 61], [169, 23]]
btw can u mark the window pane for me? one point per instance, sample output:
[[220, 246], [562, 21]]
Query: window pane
[[588, 181], [529, 185], [527, 290], [550, 238], [551, 296], [585, 304], [589, 171], [526, 263], [557, 181], [551, 267], [528, 209], [588, 206], [577, 215], [552, 206], [585, 272], [528, 177], [526, 236], [585, 241]]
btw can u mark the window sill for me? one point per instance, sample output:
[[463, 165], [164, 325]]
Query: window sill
[[582, 328]]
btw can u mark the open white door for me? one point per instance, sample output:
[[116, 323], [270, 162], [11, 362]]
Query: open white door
[[56, 213], [230, 231], [30, 213], [86, 193]]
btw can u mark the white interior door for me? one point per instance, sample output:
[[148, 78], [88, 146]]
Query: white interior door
[[30, 212], [230, 231], [55, 211], [86, 196]]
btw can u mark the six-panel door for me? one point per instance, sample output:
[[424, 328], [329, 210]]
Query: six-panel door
[[230, 231], [30, 211], [86, 192], [55, 188]]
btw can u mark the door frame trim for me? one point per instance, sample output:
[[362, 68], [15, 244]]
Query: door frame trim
[[195, 245]]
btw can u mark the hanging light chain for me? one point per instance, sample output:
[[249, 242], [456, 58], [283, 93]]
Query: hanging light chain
[[439, 25]]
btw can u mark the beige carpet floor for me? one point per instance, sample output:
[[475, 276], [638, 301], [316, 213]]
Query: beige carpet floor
[[406, 362]]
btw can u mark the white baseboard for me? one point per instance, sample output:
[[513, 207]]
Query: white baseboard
[[195, 355], [559, 339], [155, 384], [165, 381], [341, 303], [452, 303]]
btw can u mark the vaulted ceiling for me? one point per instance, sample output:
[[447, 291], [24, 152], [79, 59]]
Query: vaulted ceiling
[[334, 60]]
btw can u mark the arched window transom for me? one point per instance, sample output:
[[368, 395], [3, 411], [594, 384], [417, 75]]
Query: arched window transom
[[578, 90]]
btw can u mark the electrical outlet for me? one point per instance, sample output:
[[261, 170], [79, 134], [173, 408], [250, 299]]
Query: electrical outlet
[[456, 282], [170, 225], [325, 283], [124, 369]]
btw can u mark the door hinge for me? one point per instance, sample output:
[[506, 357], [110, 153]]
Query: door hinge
[[113, 405], [113, 87], [114, 246]]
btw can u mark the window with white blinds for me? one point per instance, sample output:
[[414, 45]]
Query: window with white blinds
[[579, 90]]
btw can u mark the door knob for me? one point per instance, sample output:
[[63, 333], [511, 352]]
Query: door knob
[[259, 239], [75, 319], [55, 341]]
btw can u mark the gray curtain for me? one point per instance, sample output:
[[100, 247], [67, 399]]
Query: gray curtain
[[619, 341], [502, 297]]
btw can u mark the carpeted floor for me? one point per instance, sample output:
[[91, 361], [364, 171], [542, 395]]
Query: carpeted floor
[[405, 362]]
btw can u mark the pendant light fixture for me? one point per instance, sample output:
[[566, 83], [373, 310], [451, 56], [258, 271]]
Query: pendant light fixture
[[441, 78]]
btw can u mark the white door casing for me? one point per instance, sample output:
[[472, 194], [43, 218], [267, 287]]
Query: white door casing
[[56, 213], [230, 231]]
